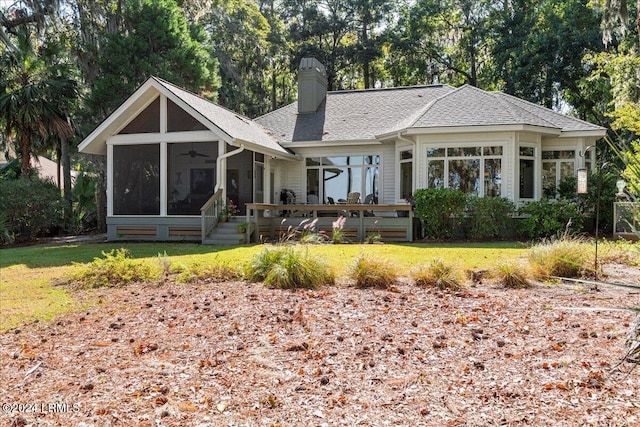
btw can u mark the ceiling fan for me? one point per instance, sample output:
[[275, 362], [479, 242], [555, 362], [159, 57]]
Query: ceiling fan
[[193, 153]]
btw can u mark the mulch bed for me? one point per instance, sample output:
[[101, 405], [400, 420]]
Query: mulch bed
[[239, 354]]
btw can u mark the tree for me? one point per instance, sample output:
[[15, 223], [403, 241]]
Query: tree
[[34, 97], [537, 48], [155, 40], [239, 36], [445, 40]]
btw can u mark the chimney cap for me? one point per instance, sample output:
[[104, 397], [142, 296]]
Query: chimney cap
[[312, 63]]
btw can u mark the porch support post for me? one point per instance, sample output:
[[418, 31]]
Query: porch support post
[[266, 179], [109, 180], [163, 178]]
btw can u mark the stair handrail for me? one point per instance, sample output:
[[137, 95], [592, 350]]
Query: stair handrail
[[210, 212]]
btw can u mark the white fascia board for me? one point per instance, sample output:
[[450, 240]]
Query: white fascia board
[[584, 133], [94, 142], [330, 143], [483, 129]]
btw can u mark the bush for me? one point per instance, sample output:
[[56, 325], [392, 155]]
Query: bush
[[440, 210], [209, 272], [115, 269], [567, 257], [373, 273], [286, 268], [489, 216], [511, 275], [437, 274], [31, 208], [549, 217]]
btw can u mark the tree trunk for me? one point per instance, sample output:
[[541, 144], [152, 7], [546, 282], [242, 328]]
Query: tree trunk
[[25, 154], [65, 159]]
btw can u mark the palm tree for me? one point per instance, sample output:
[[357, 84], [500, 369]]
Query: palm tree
[[35, 96]]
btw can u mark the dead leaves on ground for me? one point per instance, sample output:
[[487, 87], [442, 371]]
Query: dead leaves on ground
[[240, 353]]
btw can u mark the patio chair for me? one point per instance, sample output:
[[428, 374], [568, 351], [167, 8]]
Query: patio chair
[[353, 198]]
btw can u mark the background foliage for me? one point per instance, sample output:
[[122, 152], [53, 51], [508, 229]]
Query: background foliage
[[576, 56]]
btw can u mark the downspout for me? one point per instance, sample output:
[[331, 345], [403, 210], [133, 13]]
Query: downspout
[[219, 167]]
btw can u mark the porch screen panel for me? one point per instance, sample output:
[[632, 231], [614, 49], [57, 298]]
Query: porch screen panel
[[136, 179]]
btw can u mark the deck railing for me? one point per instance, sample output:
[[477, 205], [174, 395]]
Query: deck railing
[[359, 215], [210, 212]]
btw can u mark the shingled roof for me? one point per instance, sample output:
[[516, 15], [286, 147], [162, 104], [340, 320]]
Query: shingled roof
[[368, 114], [233, 124]]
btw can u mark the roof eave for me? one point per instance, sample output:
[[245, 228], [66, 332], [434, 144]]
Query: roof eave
[[595, 133], [95, 142], [329, 143], [265, 150], [481, 128]]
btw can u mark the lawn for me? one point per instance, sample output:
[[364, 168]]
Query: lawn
[[28, 275]]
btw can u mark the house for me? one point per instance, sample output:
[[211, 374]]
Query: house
[[173, 157]]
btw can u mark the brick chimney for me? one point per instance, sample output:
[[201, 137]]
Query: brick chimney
[[312, 85]]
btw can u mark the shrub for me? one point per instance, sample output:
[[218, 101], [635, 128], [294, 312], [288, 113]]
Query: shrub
[[437, 274], [115, 269], [373, 273], [568, 257], [549, 217], [489, 216], [286, 268], [511, 275], [440, 210], [31, 208], [216, 272]]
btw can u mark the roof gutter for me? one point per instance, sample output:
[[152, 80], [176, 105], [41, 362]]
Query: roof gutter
[[219, 165], [403, 139]]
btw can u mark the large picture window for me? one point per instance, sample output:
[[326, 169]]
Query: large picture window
[[331, 179], [472, 170], [136, 179]]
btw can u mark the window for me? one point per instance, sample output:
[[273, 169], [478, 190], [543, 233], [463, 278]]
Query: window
[[472, 170], [527, 173], [406, 174], [556, 166], [331, 179], [136, 179]]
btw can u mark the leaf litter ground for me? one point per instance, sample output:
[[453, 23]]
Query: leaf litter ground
[[239, 354]]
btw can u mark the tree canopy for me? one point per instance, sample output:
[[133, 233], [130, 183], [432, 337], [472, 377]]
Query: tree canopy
[[577, 56]]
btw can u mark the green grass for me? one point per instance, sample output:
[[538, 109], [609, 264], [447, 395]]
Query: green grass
[[27, 274]]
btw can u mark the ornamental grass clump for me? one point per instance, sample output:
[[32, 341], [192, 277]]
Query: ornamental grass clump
[[368, 272], [512, 275], [117, 268], [438, 274], [567, 257], [286, 268]]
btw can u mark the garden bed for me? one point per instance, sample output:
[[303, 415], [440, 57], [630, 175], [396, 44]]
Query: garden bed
[[212, 354]]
